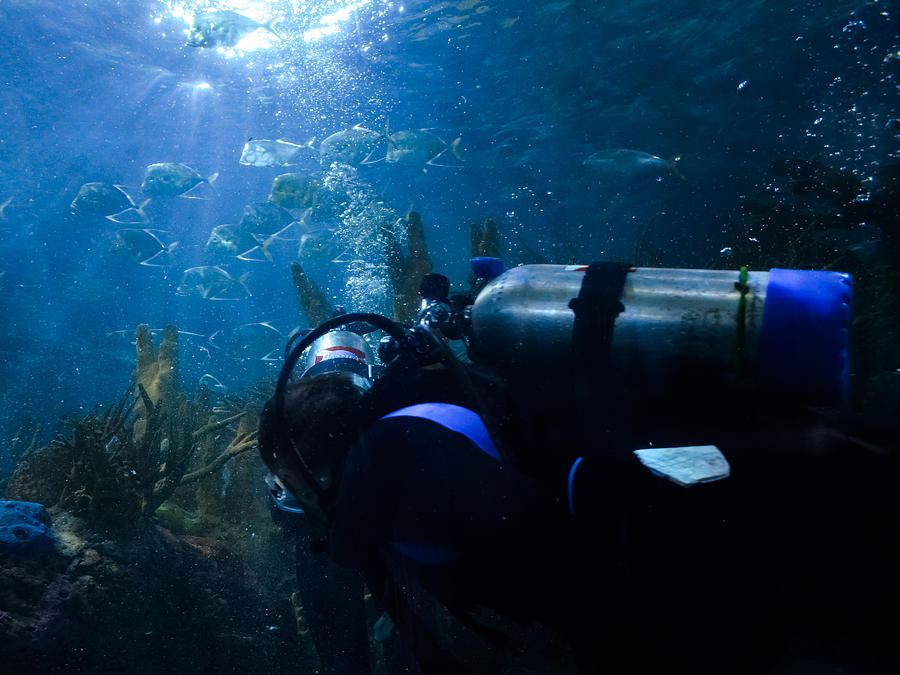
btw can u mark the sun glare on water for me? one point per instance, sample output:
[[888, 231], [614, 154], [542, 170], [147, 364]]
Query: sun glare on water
[[324, 18]]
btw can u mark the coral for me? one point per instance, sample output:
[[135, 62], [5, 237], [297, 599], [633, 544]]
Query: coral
[[120, 465], [406, 272], [313, 301], [24, 529]]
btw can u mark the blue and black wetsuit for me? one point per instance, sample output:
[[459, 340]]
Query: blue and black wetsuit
[[446, 513]]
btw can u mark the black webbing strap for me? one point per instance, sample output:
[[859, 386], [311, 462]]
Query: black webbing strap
[[596, 308]]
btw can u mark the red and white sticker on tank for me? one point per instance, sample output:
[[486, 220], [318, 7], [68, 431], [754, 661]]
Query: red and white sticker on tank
[[341, 352]]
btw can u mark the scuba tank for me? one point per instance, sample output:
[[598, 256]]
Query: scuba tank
[[787, 331]]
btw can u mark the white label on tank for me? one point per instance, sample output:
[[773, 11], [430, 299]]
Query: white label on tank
[[686, 465]]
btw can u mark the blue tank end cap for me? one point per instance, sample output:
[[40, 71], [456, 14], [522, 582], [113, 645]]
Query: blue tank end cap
[[24, 529], [804, 348], [487, 268]]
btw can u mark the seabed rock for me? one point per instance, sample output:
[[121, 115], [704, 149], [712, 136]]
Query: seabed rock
[[153, 602]]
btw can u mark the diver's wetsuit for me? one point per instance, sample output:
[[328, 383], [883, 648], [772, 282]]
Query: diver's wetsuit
[[427, 514]]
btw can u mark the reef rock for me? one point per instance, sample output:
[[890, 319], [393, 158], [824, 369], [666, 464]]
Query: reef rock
[[98, 601], [24, 529]]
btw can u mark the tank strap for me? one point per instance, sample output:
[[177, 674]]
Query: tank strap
[[600, 417], [455, 418], [596, 309]]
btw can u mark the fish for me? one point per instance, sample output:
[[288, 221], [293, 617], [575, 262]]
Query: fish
[[418, 146], [225, 28], [631, 163], [259, 341], [272, 153], [143, 245], [110, 201], [212, 383], [320, 242], [170, 179], [212, 283], [264, 218], [352, 146], [230, 240], [295, 190]]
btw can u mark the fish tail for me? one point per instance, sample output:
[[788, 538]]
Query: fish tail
[[270, 26], [454, 148], [3, 208], [212, 178], [142, 213]]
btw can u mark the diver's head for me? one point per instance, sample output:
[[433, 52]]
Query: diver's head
[[305, 449]]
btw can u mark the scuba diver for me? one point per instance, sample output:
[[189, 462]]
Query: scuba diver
[[331, 598], [606, 465]]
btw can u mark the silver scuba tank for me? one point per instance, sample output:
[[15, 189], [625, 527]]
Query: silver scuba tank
[[788, 329]]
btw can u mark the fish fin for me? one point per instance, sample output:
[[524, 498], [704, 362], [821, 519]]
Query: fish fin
[[3, 208], [270, 26], [454, 148], [277, 355], [276, 235], [368, 158], [432, 162], [148, 262], [307, 212], [202, 199], [121, 188], [337, 258], [212, 178], [121, 218], [265, 249], [155, 238], [309, 143], [142, 212], [247, 255], [237, 296]]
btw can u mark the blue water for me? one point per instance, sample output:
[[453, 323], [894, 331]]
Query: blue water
[[96, 90]]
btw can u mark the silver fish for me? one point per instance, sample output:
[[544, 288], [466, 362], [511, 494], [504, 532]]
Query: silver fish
[[418, 146], [272, 153], [255, 342], [108, 200], [230, 240], [320, 243], [352, 146], [295, 190], [225, 28], [627, 163], [213, 283], [264, 218], [213, 383], [143, 245], [170, 179]]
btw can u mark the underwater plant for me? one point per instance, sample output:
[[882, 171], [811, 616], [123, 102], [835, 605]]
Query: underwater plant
[[120, 465]]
